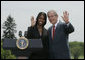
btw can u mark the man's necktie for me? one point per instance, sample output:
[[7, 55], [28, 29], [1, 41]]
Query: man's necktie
[[53, 32]]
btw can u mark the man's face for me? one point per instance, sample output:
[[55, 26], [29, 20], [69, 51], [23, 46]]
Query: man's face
[[52, 17]]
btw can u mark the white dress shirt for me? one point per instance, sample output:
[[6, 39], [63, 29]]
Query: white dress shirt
[[56, 26]]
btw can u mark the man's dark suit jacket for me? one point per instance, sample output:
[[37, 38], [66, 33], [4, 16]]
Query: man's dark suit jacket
[[33, 33], [59, 47]]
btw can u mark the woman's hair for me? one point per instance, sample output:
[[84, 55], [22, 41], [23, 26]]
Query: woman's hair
[[45, 18]]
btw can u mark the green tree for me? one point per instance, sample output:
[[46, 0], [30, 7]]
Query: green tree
[[6, 54], [2, 53], [82, 48], [9, 28], [77, 49]]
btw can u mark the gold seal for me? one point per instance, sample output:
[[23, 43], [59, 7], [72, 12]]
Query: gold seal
[[22, 43]]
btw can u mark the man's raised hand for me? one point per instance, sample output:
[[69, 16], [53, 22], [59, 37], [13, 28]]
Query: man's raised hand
[[65, 17]]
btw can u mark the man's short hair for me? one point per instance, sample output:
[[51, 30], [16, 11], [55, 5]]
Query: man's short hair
[[52, 11]]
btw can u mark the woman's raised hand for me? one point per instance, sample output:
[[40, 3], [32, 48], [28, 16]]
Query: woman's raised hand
[[32, 21]]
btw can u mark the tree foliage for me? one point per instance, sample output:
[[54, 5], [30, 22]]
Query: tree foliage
[[6, 54], [8, 32], [77, 49], [9, 28]]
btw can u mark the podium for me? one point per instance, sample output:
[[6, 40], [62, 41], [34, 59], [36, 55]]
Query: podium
[[33, 45]]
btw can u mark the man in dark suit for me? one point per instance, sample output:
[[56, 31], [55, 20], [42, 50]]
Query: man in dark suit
[[58, 35]]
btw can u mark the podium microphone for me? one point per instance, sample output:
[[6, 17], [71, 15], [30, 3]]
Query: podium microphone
[[20, 33]]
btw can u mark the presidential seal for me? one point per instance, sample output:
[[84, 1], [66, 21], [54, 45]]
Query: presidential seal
[[22, 43]]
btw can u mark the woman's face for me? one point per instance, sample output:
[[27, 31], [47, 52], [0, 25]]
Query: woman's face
[[41, 20]]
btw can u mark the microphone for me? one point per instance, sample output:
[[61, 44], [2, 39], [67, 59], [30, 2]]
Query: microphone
[[20, 33], [25, 33]]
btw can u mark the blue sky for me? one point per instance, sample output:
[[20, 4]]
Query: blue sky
[[22, 11]]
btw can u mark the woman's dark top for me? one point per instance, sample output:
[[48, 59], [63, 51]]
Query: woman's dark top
[[33, 33]]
